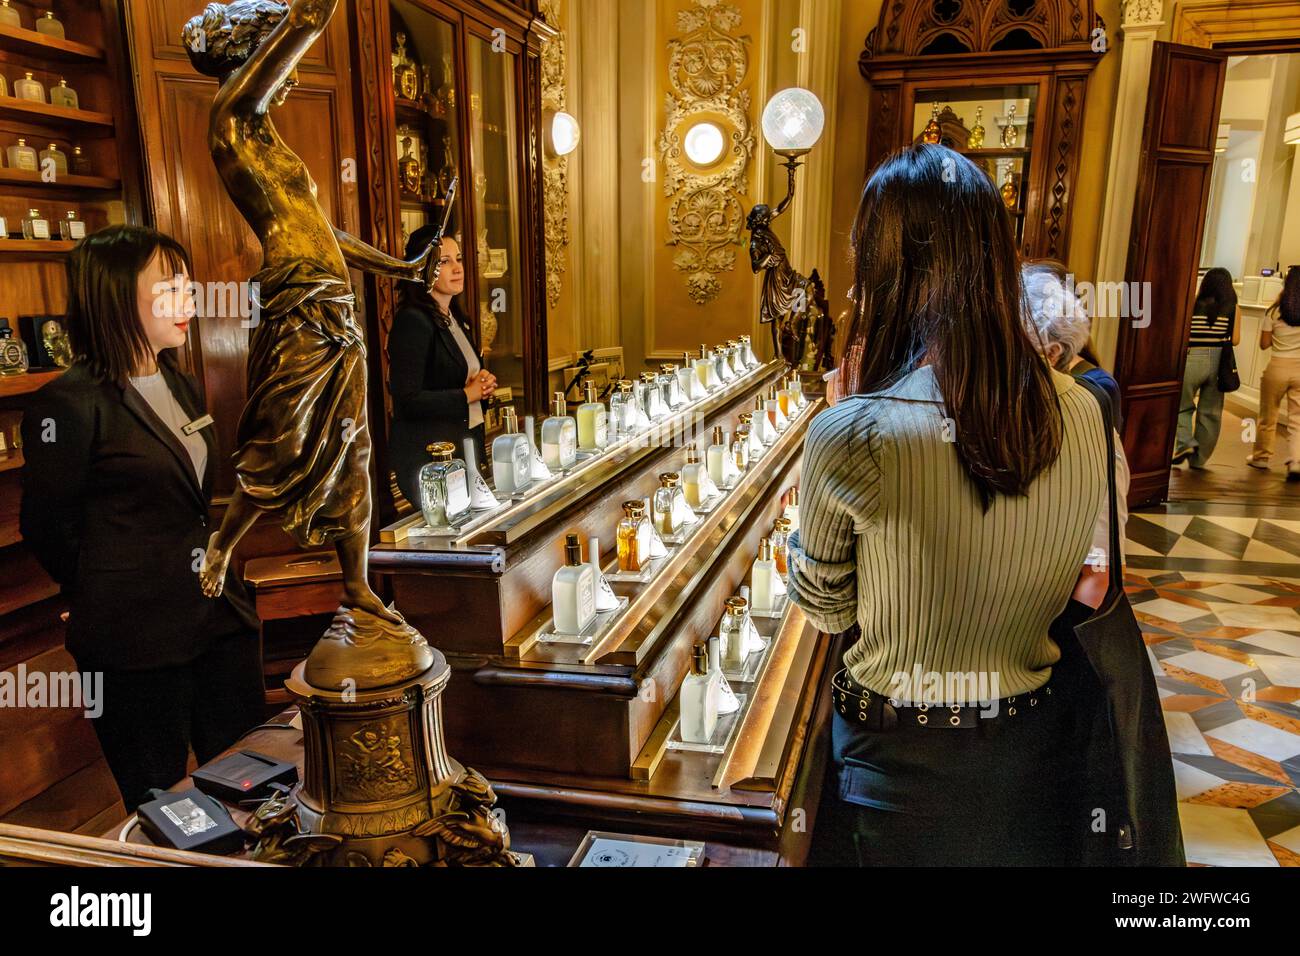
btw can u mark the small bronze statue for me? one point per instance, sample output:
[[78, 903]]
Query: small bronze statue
[[304, 443], [793, 304]]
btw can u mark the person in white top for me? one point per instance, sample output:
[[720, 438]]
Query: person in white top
[[1280, 332]]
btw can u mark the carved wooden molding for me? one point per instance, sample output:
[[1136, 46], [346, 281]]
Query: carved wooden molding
[[706, 215], [555, 169], [1207, 22], [909, 27]]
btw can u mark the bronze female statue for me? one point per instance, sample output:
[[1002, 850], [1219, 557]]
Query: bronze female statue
[[304, 444]]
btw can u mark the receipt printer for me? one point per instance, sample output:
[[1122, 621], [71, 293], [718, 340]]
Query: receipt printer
[[190, 820], [243, 775]]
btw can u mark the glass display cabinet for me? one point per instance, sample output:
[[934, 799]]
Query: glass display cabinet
[[1000, 81]]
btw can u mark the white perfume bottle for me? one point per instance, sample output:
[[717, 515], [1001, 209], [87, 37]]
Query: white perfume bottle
[[715, 458], [511, 457], [688, 381], [8, 15], [606, 599], [763, 422], [480, 495], [692, 472], [573, 591], [48, 25], [667, 517], [35, 227], [735, 643], [657, 547], [728, 702], [559, 437], [59, 159], [64, 95], [706, 370], [22, 156], [774, 414], [762, 583], [737, 359], [698, 699], [593, 422], [747, 351], [791, 512], [722, 365], [539, 470], [29, 89], [71, 228], [753, 444], [444, 489]]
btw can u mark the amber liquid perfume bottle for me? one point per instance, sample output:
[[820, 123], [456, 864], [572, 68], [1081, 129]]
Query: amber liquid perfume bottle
[[633, 538], [667, 515], [22, 156], [693, 484], [780, 539]]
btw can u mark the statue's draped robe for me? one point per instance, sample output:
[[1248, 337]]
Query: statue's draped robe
[[303, 443]]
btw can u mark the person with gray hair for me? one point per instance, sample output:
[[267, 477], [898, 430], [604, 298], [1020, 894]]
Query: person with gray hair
[[1060, 329]]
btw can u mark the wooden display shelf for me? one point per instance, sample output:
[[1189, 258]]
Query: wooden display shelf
[[20, 249], [11, 385], [26, 42], [996, 152], [11, 460], [68, 183], [88, 122]]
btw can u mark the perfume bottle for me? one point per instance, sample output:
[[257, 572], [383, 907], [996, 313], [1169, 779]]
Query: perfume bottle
[[573, 591], [688, 381], [740, 451], [747, 350], [652, 397], [762, 587], [692, 472], [444, 487], [606, 599], [735, 640], [71, 228], [4, 86], [657, 547], [779, 539], [64, 95], [670, 378], [698, 699], [633, 538], [13, 352], [620, 412], [559, 437], [22, 156], [754, 642], [29, 89], [715, 458], [706, 370], [762, 422], [480, 495], [785, 400], [774, 414], [48, 25], [34, 227], [667, 515], [721, 364], [735, 358], [9, 16], [593, 422], [539, 470], [791, 513], [58, 157], [753, 444], [728, 702], [80, 164], [511, 457]]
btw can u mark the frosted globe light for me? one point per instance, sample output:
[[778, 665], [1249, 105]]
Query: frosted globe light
[[704, 143], [564, 133], [793, 121]]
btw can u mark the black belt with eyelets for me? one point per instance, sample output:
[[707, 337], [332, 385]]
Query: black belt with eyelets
[[873, 711]]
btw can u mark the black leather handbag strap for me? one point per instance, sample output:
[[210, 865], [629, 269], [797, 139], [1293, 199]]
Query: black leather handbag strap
[[1114, 560]]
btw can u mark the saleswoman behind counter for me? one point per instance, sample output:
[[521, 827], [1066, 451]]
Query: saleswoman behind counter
[[436, 377], [116, 490]]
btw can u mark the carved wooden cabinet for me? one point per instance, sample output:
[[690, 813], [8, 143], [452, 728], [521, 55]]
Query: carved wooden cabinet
[[966, 64]]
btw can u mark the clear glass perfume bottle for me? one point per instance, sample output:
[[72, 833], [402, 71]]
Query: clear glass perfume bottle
[[64, 95], [573, 590], [80, 163], [763, 422], [606, 599], [762, 580], [795, 385], [633, 538], [35, 227], [735, 643], [722, 365], [747, 350], [444, 487], [688, 381], [740, 450], [9, 16], [538, 467], [511, 468], [779, 539], [559, 437], [50, 26], [753, 444], [728, 702], [58, 157], [698, 699], [791, 513], [480, 495], [667, 515], [71, 228], [13, 352], [22, 156], [668, 375], [652, 402], [737, 359], [706, 369], [593, 422], [620, 411], [715, 458], [692, 472], [29, 89]]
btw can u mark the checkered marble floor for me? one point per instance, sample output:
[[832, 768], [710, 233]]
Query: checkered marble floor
[[1222, 628]]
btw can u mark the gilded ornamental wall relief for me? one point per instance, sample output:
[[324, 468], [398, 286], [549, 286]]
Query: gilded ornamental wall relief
[[555, 169]]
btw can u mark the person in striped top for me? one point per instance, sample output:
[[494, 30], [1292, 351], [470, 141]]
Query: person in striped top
[[1216, 325]]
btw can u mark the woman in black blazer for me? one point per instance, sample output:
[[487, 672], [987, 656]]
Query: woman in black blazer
[[435, 374], [116, 489]]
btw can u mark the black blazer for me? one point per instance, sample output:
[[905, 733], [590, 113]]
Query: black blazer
[[113, 511], [426, 377]]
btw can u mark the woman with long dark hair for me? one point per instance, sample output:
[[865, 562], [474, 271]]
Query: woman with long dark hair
[[1281, 380], [116, 492], [435, 375], [948, 504], [1216, 325]]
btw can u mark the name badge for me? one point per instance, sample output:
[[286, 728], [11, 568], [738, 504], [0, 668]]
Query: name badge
[[189, 428]]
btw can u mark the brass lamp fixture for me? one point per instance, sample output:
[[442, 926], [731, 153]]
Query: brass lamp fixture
[[793, 304]]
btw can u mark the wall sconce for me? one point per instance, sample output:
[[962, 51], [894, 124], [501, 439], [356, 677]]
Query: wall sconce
[[563, 132], [704, 143], [1291, 131]]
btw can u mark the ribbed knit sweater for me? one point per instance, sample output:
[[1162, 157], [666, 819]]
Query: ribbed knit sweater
[[892, 536]]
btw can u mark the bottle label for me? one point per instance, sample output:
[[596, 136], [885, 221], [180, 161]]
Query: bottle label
[[40, 229], [602, 429], [457, 493], [586, 599], [568, 446], [24, 159], [76, 230]]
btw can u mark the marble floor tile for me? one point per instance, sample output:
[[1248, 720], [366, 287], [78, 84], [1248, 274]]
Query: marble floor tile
[[1220, 836], [1210, 665], [1190, 780], [1256, 737], [1236, 593], [1275, 641], [1168, 610], [1290, 839], [1184, 736], [1279, 669], [1253, 615]]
